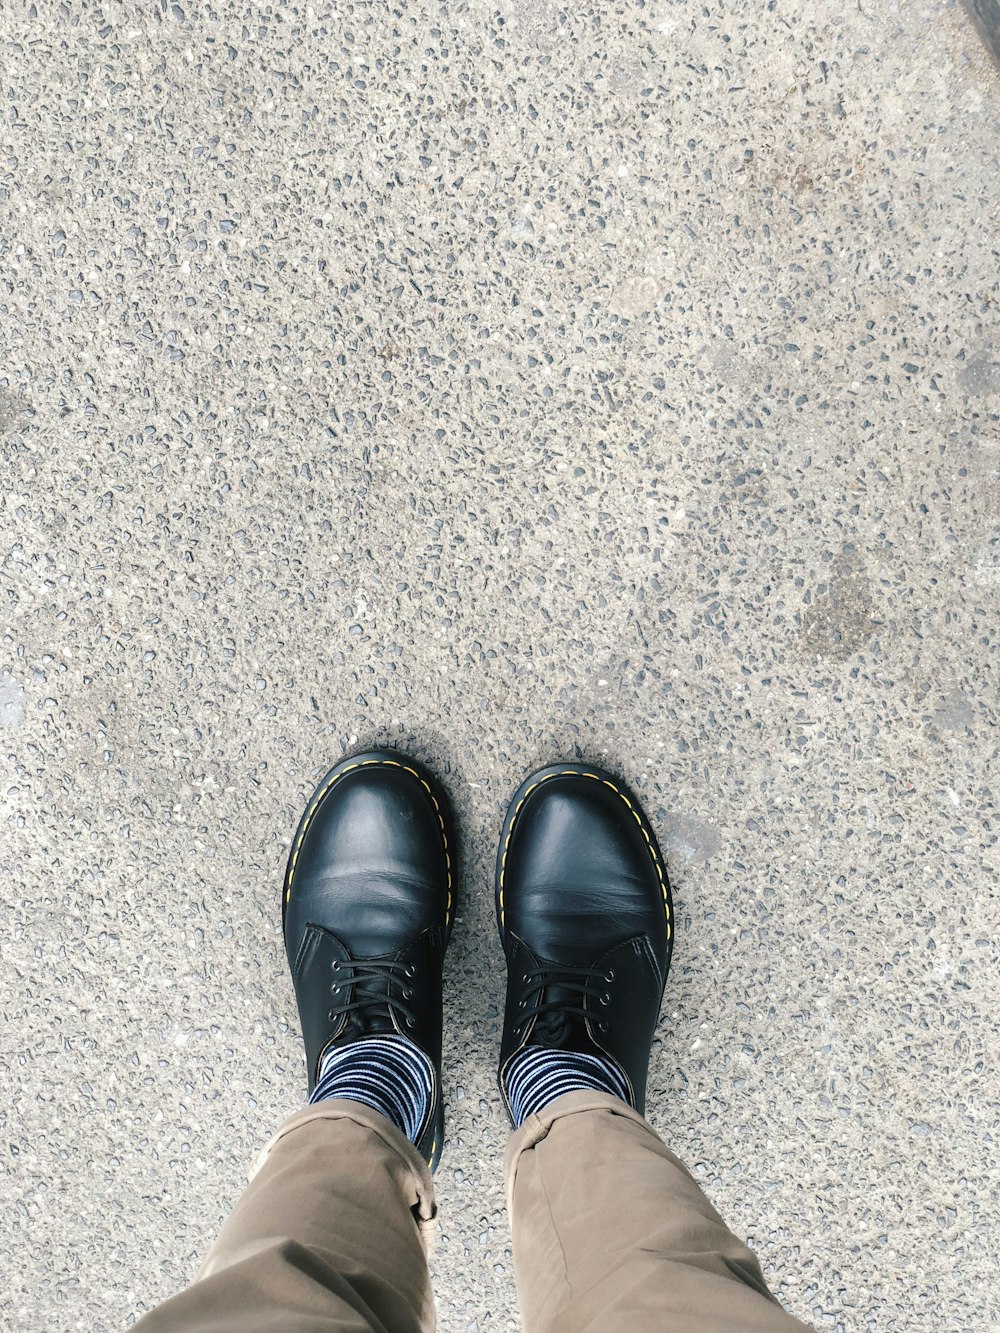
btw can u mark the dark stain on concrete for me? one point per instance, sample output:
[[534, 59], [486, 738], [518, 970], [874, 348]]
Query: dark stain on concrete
[[840, 617]]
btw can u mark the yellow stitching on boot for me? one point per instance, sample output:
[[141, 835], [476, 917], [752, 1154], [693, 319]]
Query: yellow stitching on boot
[[316, 800], [370, 763], [570, 772]]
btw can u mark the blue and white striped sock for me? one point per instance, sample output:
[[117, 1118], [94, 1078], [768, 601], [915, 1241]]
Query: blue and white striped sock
[[389, 1074], [540, 1074]]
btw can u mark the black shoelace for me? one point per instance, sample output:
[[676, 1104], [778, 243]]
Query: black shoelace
[[578, 980], [376, 985]]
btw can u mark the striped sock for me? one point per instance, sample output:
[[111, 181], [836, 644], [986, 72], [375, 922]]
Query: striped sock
[[540, 1074], [389, 1074]]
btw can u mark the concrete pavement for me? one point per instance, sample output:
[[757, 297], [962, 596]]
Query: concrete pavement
[[503, 383]]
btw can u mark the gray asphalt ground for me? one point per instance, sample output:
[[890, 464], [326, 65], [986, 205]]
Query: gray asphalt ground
[[503, 383]]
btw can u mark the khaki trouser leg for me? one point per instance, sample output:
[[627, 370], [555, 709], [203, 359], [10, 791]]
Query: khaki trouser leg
[[612, 1235], [331, 1234]]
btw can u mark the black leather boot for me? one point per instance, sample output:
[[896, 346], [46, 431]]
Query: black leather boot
[[585, 916], [368, 906]]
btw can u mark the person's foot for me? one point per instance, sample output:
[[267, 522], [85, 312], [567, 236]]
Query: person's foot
[[585, 916], [367, 909]]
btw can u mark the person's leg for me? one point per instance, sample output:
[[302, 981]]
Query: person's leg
[[612, 1234], [331, 1234]]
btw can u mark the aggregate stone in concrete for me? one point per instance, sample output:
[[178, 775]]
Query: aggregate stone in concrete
[[503, 382]]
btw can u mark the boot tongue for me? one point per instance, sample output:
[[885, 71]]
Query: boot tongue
[[558, 1029], [371, 1020], [552, 1029]]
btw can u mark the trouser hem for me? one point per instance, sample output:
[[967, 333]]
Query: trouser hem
[[537, 1126], [341, 1108]]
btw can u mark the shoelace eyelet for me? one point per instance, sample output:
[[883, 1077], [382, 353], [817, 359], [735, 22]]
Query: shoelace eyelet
[[359, 998], [605, 999], [609, 976]]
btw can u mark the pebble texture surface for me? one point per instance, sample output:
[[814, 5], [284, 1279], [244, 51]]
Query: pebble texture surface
[[503, 383]]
